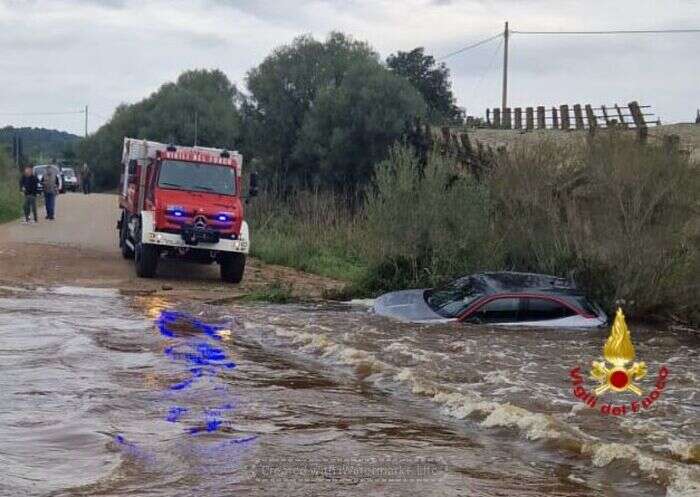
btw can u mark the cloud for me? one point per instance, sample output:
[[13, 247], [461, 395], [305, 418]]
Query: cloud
[[63, 54]]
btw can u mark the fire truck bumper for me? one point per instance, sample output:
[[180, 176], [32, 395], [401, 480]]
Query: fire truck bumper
[[149, 235]]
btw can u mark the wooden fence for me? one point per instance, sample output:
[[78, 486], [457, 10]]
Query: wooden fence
[[577, 117]]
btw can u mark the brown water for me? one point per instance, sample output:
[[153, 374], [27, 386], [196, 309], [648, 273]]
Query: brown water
[[323, 400]]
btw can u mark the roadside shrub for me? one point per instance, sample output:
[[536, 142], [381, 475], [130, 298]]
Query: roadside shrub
[[424, 224], [615, 215], [10, 196]]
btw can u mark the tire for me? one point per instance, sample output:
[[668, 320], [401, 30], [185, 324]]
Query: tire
[[232, 266], [127, 252], [146, 259]]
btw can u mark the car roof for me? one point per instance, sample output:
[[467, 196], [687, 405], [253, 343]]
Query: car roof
[[515, 282]]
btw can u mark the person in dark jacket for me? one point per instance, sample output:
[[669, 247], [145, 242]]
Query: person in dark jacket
[[29, 184], [86, 178]]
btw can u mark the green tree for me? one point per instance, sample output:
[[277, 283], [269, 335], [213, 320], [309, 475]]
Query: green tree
[[284, 87], [352, 126], [169, 115], [432, 80]]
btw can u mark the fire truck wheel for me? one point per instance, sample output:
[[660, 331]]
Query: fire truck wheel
[[127, 252], [146, 257], [232, 266]]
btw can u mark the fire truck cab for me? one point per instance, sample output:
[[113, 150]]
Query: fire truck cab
[[183, 203]]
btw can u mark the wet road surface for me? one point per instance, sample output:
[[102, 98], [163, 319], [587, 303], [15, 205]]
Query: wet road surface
[[104, 394]]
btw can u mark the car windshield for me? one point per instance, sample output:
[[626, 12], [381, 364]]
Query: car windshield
[[450, 300], [68, 172], [39, 171], [193, 176], [585, 305]]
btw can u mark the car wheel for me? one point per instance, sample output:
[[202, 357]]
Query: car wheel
[[145, 257], [127, 252], [232, 266]]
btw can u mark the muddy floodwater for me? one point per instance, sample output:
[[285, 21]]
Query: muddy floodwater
[[113, 395]]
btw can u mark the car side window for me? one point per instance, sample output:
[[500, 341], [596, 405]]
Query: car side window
[[544, 309], [506, 310]]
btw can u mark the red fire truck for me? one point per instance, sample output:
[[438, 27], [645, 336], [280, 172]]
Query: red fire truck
[[183, 202]]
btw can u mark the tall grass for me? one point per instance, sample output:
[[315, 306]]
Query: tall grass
[[10, 196], [309, 230]]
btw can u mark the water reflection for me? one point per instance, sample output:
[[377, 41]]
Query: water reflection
[[201, 399]]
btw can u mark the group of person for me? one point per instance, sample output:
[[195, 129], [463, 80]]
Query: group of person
[[50, 183]]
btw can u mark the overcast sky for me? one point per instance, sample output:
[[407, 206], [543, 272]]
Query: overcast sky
[[59, 55]]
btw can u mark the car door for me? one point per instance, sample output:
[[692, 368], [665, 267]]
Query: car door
[[501, 310]]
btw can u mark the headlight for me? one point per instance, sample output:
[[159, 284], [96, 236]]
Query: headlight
[[224, 216], [175, 210]]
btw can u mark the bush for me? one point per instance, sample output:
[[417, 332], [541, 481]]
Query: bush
[[617, 216], [426, 223], [10, 196]]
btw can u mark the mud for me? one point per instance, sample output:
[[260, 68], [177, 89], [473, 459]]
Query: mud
[[80, 248]]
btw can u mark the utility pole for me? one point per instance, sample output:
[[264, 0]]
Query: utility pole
[[86, 121], [504, 95]]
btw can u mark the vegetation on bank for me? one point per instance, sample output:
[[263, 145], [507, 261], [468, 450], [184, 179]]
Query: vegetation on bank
[[10, 196], [619, 218], [277, 292]]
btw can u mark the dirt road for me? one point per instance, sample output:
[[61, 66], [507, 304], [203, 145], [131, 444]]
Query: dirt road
[[80, 248]]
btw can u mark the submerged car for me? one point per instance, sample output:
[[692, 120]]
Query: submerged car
[[500, 298]]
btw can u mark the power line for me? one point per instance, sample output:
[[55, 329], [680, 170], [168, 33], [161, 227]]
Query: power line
[[488, 70], [469, 47], [610, 32]]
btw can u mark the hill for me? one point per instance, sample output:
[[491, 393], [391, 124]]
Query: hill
[[39, 144]]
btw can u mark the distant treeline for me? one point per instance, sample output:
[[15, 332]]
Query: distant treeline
[[314, 113], [39, 143]]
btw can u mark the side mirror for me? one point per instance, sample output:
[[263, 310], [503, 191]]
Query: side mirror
[[253, 191]]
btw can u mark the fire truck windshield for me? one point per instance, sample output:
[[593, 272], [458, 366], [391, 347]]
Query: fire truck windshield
[[193, 176]]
